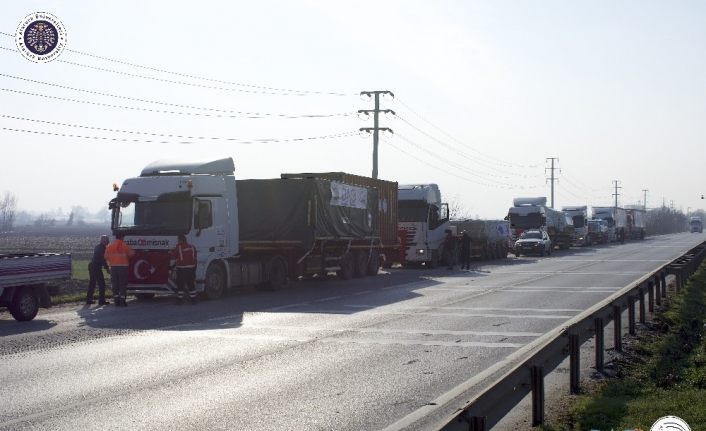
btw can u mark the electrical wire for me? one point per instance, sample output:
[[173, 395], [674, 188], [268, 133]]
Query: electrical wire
[[151, 141], [176, 105], [494, 159], [162, 111], [258, 89]]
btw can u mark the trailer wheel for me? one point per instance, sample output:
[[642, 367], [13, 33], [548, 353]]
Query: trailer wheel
[[215, 281], [373, 265], [347, 264], [361, 264], [25, 305], [276, 272]]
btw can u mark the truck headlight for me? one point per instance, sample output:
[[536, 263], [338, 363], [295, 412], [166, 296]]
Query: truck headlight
[[420, 251]]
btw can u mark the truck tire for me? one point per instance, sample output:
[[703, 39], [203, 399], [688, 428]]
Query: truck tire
[[347, 264], [215, 281], [276, 273], [25, 304], [361, 264], [373, 265]]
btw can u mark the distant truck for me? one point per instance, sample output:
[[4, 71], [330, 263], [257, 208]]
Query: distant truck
[[635, 222], [597, 232], [616, 221], [424, 219], [250, 232], [579, 219], [26, 278], [533, 213], [696, 224], [490, 239]]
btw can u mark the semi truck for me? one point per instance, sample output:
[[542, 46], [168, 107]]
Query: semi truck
[[616, 221], [490, 239], [260, 232], [696, 225], [635, 222], [579, 219], [597, 232], [26, 281], [533, 213], [424, 220]]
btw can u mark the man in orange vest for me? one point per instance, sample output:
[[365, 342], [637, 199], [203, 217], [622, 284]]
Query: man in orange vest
[[118, 255], [185, 256]]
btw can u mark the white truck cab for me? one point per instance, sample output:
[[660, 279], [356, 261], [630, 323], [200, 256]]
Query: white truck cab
[[425, 219]]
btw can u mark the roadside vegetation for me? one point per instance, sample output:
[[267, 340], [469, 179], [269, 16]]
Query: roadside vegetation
[[661, 373]]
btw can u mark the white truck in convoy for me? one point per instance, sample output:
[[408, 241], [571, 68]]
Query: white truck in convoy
[[616, 221], [696, 225], [424, 219], [533, 213], [248, 232], [26, 278], [635, 222], [579, 218]]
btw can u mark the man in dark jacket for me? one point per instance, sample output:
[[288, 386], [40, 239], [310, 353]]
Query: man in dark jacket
[[465, 251], [95, 272]]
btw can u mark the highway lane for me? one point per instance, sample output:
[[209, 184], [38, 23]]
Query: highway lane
[[362, 354]]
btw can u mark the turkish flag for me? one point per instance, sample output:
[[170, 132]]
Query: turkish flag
[[149, 267]]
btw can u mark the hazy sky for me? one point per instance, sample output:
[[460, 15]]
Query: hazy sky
[[485, 91]]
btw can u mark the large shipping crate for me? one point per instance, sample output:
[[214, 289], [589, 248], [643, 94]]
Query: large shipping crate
[[386, 220], [297, 212]]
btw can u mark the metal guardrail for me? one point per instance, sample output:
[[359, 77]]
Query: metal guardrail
[[547, 352]]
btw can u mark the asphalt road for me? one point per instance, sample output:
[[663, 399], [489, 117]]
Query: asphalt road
[[367, 354]]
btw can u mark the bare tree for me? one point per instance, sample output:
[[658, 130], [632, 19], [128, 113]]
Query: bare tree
[[457, 211], [8, 209]]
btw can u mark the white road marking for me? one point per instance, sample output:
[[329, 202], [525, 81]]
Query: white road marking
[[421, 342], [427, 313], [539, 310], [397, 331], [555, 291]]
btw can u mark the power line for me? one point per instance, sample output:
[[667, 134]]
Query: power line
[[494, 159], [271, 90], [249, 115], [150, 141], [176, 105]]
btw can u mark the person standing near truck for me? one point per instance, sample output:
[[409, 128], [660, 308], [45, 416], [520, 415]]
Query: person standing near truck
[[118, 255], [185, 256], [465, 251], [449, 249], [95, 272]]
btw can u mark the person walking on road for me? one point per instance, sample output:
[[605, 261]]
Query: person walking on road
[[95, 272], [118, 255], [465, 251], [185, 256]]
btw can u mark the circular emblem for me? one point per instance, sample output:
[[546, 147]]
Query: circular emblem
[[40, 37], [670, 423]]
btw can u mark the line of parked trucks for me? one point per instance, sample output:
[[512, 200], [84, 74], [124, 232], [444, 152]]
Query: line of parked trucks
[[267, 232]]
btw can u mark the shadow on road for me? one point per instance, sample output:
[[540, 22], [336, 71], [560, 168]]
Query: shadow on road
[[11, 327]]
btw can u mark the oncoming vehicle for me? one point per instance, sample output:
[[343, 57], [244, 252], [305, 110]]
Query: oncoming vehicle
[[533, 242]]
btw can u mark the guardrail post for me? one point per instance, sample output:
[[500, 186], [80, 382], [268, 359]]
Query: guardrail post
[[617, 329], [537, 375], [658, 294], [659, 288], [642, 304], [598, 322], [631, 315], [663, 278], [650, 296], [574, 363]]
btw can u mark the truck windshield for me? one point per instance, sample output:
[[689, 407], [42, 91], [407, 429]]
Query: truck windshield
[[168, 214], [578, 221], [533, 220], [413, 211]]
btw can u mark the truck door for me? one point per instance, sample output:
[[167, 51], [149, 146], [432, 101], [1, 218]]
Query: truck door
[[208, 231]]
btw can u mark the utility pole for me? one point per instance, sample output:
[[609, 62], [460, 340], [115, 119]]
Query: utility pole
[[616, 194], [644, 202], [552, 178], [376, 128]]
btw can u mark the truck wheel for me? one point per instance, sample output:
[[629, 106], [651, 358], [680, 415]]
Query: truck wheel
[[373, 265], [215, 281], [276, 272], [25, 305], [361, 264], [347, 264]]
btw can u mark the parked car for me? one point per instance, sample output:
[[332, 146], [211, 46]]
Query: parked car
[[533, 242]]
